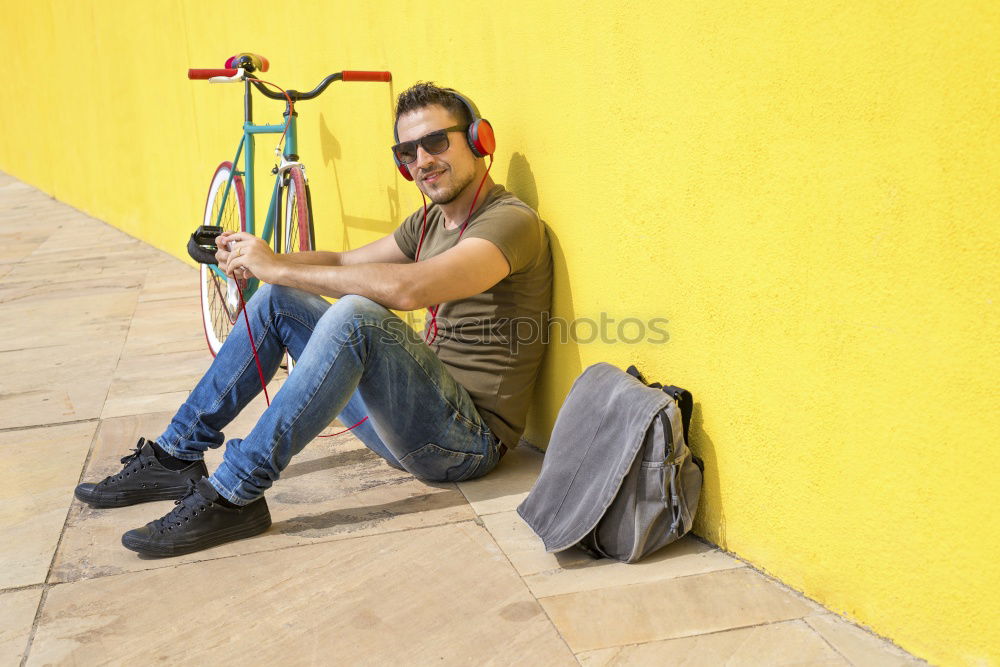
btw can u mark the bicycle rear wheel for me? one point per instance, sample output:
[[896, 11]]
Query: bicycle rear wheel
[[218, 311]]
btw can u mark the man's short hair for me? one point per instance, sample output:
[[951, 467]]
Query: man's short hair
[[425, 93]]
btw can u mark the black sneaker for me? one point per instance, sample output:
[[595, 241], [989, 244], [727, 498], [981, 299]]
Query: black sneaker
[[142, 479], [199, 521]]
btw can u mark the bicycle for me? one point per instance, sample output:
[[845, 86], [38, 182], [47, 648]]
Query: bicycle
[[226, 204]]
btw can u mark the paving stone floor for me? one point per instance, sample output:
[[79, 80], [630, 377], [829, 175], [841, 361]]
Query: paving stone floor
[[100, 339]]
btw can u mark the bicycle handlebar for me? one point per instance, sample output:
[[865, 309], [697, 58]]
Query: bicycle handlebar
[[361, 75], [346, 75], [209, 73]]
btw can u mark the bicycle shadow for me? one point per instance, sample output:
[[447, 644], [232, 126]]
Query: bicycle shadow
[[332, 152]]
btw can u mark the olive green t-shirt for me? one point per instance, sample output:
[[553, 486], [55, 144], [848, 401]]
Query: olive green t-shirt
[[493, 342]]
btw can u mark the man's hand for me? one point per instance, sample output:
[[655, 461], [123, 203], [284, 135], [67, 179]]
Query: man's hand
[[243, 256], [222, 256]]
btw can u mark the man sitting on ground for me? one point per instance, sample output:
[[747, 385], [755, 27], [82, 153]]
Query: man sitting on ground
[[445, 408]]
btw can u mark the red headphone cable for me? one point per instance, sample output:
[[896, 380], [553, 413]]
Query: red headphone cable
[[432, 328], [241, 284], [432, 309], [291, 109], [260, 371]]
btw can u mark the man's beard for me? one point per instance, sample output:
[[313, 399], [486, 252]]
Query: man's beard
[[451, 194]]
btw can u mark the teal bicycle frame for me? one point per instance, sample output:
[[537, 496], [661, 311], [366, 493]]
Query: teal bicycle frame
[[246, 148], [289, 175]]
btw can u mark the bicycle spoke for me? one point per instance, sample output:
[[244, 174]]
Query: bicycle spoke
[[218, 314]]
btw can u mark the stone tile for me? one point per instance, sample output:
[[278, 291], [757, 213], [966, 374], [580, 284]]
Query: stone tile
[[66, 279], [67, 283], [90, 250], [183, 334], [170, 279], [156, 291], [573, 570], [21, 207], [154, 383], [694, 605], [858, 645], [85, 237], [36, 209], [25, 211], [83, 318], [149, 347], [171, 308], [525, 550], [56, 383], [124, 404], [17, 244], [8, 183], [17, 615], [333, 490], [145, 383], [42, 465], [175, 309], [440, 596], [504, 488], [246, 420], [175, 330], [38, 407], [776, 644], [167, 319]]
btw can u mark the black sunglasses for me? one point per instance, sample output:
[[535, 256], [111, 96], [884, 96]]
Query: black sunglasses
[[434, 143]]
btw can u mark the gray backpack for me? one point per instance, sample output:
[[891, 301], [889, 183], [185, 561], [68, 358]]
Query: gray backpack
[[618, 479]]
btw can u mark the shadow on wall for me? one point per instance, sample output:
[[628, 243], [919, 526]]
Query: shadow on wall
[[331, 152], [521, 181], [562, 363], [710, 522]]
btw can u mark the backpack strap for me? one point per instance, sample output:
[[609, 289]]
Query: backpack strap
[[682, 396], [686, 403], [634, 372], [684, 400]]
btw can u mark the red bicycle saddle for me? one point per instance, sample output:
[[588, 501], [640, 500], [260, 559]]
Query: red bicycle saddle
[[256, 62]]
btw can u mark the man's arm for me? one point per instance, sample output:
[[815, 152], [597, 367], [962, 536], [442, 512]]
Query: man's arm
[[384, 251], [471, 267]]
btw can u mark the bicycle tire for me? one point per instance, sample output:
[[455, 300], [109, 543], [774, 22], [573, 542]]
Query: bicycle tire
[[217, 315], [297, 227], [296, 231]]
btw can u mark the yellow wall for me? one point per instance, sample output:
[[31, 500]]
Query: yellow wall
[[807, 191]]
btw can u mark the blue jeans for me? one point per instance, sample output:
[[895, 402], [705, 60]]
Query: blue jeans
[[353, 358]]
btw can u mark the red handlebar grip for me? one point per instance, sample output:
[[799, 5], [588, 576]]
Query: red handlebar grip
[[209, 73], [358, 75]]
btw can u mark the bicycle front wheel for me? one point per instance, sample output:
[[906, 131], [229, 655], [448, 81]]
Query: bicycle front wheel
[[296, 233], [219, 309], [297, 227]]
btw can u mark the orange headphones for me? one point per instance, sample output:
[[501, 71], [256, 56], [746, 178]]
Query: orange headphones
[[479, 136]]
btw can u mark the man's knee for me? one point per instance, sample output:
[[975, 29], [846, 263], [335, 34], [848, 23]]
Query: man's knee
[[350, 304], [357, 315], [278, 297], [359, 310]]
